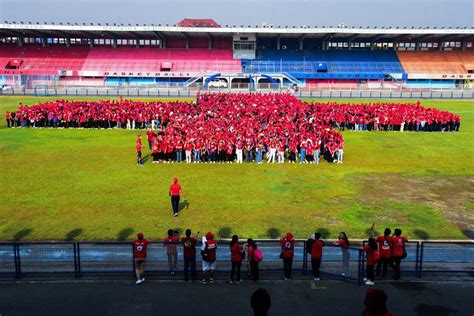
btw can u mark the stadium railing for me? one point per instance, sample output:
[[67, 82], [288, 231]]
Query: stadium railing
[[158, 91], [20, 259]]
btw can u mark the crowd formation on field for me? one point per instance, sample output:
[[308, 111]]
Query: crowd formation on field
[[227, 127], [381, 252]]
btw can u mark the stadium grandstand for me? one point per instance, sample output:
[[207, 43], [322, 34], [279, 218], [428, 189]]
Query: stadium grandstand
[[200, 53]]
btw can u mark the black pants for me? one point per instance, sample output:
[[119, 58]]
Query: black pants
[[370, 272], [254, 273], [384, 262], [236, 265], [175, 203], [8, 123], [190, 262], [287, 267], [315, 265], [396, 268]]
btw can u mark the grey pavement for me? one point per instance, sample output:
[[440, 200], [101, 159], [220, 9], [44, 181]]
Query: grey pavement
[[299, 297]]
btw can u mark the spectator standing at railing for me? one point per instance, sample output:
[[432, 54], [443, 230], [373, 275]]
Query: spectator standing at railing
[[252, 262], [209, 254], [316, 255], [385, 247], [139, 254], [236, 256], [171, 244], [373, 256], [189, 255], [398, 251], [287, 243], [343, 242]]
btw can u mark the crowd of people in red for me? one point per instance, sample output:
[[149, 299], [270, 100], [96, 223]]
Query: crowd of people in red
[[229, 127]]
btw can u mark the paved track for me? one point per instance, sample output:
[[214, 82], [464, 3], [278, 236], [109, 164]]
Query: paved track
[[90, 297]]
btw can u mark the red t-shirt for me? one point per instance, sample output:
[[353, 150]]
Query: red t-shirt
[[138, 148], [211, 250], [398, 245], [175, 188], [370, 255], [317, 249], [288, 247], [385, 246], [171, 244], [189, 246], [139, 248], [235, 252], [343, 244]]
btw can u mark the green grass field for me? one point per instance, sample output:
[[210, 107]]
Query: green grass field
[[84, 185]]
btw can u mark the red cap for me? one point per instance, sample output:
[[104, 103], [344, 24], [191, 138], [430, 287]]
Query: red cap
[[140, 236], [209, 235], [175, 180]]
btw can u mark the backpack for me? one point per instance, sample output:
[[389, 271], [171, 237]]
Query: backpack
[[309, 245], [258, 255]]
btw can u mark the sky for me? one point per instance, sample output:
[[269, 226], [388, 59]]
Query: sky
[[417, 13]]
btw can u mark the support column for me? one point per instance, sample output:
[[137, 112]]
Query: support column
[[44, 41], [20, 41], [114, 43], [279, 42], [68, 42]]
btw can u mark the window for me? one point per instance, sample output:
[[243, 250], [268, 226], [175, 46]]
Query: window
[[147, 42], [154, 42], [469, 44]]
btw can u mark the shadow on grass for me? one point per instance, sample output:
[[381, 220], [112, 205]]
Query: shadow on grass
[[73, 234], [146, 158], [124, 234], [273, 233], [224, 232], [421, 234], [22, 234], [469, 233], [324, 232], [183, 205]]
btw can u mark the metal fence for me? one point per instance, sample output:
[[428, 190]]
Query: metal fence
[[19, 259]]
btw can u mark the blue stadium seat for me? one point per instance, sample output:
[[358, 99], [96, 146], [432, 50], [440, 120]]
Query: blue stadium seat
[[363, 64]]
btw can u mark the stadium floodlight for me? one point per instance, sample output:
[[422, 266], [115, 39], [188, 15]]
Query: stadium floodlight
[[6, 22], [107, 24], [29, 22], [21, 22], [39, 23]]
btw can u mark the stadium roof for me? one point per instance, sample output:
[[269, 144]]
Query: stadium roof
[[147, 31], [417, 13]]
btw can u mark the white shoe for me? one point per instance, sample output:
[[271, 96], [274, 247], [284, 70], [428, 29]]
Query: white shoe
[[369, 282], [316, 279], [365, 279], [139, 281]]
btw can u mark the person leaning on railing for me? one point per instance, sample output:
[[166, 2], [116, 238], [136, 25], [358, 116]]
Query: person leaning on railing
[[398, 251], [344, 243]]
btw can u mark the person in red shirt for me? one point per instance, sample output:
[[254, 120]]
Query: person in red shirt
[[398, 251], [139, 254], [149, 136], [252, 263], [7, 117], [376, 303], [209, 254], [171, 244], [316, 255], [138, 150], [370, 249], [155, 150], [189, 254], [236, 256], [175, 194], [343, 242], [287, 243], [385, 246]]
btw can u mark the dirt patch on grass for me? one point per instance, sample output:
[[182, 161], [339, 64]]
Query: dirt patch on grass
[[450, 195]]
